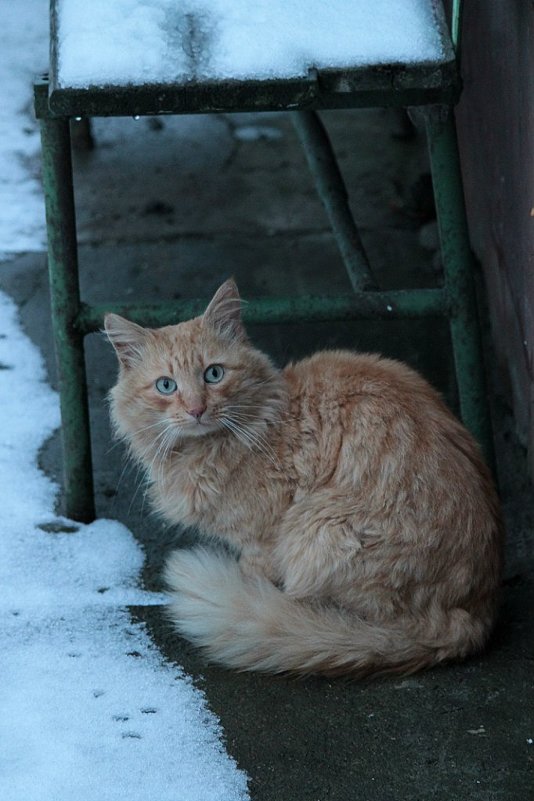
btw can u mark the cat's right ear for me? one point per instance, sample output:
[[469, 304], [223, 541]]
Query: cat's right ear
[[127, 339], [224, 312]]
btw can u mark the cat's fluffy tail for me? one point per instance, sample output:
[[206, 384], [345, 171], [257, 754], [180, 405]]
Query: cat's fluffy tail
[[247, 623]]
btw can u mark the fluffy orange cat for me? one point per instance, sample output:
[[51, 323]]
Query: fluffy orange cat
[[366, 525]]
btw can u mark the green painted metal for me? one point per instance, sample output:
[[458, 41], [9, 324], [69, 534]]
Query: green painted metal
[[458, 265], [333, 193], [400, 304], [456, 25], [65, 301], [40, 98], [391, 87]]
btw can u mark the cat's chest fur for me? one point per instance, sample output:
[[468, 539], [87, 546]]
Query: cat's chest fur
[[221, 490]]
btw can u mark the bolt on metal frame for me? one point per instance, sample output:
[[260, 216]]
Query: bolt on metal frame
[[434, 89]]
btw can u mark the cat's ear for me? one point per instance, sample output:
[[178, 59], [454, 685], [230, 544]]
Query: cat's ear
[[224, 312], [127, 338]]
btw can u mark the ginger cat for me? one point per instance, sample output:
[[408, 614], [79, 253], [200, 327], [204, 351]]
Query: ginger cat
[[367, 526]]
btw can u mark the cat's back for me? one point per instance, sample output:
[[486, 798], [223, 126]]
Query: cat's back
[[380, 415], [342, 377]]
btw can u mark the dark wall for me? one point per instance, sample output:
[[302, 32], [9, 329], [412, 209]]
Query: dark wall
[[496, 130]]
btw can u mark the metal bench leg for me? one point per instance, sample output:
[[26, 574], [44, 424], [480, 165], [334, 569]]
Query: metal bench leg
[[65, 301], [332, 191], [458, 264]]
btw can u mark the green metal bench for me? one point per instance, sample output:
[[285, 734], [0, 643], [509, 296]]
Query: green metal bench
[[430, 83]]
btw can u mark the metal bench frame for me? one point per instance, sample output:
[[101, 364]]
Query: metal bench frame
[[435, 89]]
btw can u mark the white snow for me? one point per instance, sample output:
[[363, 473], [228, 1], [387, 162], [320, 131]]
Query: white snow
[[24, 54], [120, 38], [89, 708], [165, 41]]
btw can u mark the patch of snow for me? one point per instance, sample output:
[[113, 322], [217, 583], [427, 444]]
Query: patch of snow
[[89, 708], [24, 47], [120, 39], [167, 41]]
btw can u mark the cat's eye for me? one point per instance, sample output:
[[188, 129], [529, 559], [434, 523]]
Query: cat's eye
[[213, 374], [166, 385]]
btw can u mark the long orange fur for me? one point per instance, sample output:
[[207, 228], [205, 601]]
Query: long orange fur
[[366, 524]]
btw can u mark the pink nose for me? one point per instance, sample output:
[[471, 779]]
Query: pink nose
[[197, 412]]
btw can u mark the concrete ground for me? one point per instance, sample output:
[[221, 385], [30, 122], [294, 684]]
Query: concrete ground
[[170, 209]]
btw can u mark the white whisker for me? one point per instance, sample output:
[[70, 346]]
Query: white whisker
[[250, 437], [244, 420], [148, 469], [237, 433], [283, 416]]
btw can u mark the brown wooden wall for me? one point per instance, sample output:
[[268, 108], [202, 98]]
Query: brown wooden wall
[[496, 130]]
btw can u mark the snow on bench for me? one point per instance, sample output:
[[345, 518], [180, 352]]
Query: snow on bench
[[124, 42]]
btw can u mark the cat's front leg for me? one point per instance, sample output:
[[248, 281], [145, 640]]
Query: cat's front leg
[[319, 546]]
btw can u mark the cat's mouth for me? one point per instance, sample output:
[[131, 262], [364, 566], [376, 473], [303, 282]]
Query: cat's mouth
[[198, 427]]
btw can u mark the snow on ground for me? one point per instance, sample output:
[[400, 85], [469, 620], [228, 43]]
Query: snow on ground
[[24, 54], [89, 708], [161, 41]]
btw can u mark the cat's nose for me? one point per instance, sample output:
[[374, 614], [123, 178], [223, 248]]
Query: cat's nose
[[197, 412]]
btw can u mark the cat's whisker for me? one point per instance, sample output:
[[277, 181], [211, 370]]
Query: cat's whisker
[[166, 437], [156, 424], [162, 451], [244, 422], [141, 477], [282, 416], [165, 440], [139, 482], [253, 413], [135, 460], [237, 433], [135, 433], [170, 442], [123, 471], [245, 416], [245, 405], [245, 419], [253, 438], [140, 455], [159, 467], [267, 449], [112, 447]]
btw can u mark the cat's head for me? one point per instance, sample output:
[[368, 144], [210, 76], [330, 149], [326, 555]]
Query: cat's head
[[193, 379]]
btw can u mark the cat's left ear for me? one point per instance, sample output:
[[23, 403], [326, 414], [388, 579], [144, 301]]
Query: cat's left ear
[[126, 337], [224, 312]]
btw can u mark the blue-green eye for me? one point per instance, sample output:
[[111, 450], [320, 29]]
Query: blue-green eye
[[166, 385], [213, 374]]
